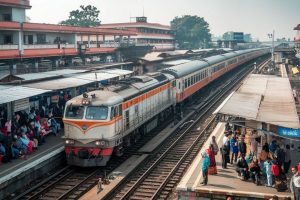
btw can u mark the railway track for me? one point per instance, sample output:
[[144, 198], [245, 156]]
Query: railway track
[[158, 178], [72, 183]]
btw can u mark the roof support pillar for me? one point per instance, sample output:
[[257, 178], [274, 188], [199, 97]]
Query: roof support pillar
[[97, 41]]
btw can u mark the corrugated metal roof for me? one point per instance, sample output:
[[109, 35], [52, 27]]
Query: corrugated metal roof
[[60, 84], [121, 72], [264, 98], [49, 74], [74, 81], [10, 94]]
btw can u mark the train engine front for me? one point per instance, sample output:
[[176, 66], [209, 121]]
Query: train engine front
[[92, 124]]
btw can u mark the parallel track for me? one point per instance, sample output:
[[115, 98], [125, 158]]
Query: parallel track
[[157, 179]]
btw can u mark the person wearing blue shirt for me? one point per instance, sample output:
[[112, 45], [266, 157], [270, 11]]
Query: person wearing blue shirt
[[234, 149], [205, 166]]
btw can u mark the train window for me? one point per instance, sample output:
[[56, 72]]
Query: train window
[[179, 85], [136, 109], [97, 112], [112, 112], [120, 109], [174, 83], [185, 83], [116, 111], [74, 112]]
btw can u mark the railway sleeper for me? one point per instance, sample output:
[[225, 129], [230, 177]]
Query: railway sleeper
[[142, 194], [150, 187]]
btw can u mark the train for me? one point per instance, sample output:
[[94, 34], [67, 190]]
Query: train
[[102, 123]]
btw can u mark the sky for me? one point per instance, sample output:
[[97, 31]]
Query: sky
[[258, 17]]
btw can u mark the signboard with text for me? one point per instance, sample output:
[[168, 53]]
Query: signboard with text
[[290, 132]]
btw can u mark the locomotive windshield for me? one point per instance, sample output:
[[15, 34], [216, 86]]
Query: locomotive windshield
[[96, 113], [74, 112]]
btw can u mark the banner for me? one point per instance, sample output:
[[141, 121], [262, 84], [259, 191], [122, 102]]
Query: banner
[[289, 132]]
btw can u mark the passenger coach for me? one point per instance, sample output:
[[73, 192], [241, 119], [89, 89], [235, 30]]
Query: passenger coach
[[101, 123]]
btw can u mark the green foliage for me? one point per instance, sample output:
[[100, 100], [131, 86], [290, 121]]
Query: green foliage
[[86, 16], [191, 32]]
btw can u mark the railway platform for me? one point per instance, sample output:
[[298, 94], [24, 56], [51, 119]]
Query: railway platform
[[14, 175], [118, 175], [224, 184]]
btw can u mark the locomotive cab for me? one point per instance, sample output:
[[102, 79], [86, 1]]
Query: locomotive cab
[[91, 123]]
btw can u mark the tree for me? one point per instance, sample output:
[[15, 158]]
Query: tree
[[86, 16], [191, 32]]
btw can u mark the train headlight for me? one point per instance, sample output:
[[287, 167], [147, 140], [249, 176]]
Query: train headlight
[[100, 143], [85, 102], [69, 141]]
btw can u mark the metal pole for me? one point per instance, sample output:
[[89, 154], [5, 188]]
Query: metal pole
[[273, 35]]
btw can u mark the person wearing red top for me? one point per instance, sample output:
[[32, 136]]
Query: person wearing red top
[[275, 169]]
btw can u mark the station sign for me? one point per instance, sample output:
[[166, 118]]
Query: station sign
[[290, 132]]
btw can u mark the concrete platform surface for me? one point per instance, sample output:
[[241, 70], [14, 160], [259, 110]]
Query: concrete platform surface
[[53, 146], [224, 183], [120, 173]]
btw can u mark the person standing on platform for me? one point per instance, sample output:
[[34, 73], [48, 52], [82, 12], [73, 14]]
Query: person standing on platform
[[205, 166], [295, 183], [234, 149], [225, 151], [242, 146], [287, 159], [280, 155], [215, 145], [268, 170], [99, 185], [212, 161]]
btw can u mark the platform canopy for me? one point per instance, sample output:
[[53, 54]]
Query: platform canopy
[[14, 93], [74, 81], [263, 98]]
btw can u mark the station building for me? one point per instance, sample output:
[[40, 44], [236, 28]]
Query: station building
[[147, 34], [22, 41]]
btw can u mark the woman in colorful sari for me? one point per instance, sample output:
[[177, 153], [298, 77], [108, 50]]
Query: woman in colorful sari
[[212, 166]]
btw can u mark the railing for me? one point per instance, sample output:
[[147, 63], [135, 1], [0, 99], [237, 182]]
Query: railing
[[40, 46], [36, 46], [9, 47], [67, 46], [163, 46]]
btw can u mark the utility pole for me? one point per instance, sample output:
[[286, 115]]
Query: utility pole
[[273, 35]]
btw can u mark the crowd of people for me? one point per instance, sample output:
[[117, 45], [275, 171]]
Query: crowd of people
[[269, 167], [26, 132]]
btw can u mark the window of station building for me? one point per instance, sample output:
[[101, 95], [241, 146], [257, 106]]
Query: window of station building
[[28, 39], [7, 39], [6, 17], [41, 38]]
